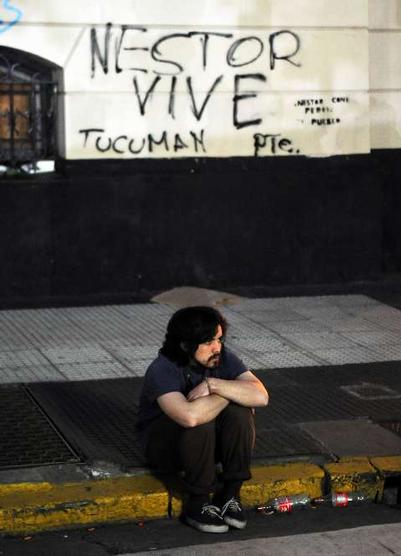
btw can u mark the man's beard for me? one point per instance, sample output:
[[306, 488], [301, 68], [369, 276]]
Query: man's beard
[[213, 361]]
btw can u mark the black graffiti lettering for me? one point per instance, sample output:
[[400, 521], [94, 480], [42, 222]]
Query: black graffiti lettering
[[158, 56], [275, 49], [123, 144], [238, 97], [95, 50], [272, 143], [198, 112], [204, 37], [336, 100], [284, 45], [231, 59], [102, 149], [198, 140], [285, 145], [131, 147], [309, 102], [89, 130], [260, 141], [119, 42], [179, 143], [116, 140], [325, 121], [317, 110], [149, 92], [171, 102], [167, 53], [161, 141]]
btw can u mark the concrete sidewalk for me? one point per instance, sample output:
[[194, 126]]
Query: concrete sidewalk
[[300, 346], [83, 343]]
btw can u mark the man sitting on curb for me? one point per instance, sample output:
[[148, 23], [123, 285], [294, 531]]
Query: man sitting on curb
[[196, 410]]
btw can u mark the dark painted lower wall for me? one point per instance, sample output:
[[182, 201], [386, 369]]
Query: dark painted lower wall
[[104, 231]]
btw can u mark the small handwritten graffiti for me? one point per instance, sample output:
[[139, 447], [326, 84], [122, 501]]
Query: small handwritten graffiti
[[17, 14], [315, 111]]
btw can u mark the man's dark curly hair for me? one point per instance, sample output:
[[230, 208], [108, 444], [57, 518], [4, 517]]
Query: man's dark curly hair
[[188, 328]]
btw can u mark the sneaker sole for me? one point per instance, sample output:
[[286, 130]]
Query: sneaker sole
[[235, 523], [223, 528]]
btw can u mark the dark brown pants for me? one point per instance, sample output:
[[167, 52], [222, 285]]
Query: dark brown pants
[[228, 439]]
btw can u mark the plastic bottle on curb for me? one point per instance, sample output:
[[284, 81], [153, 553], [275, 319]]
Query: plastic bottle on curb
[[341, 499], [286, 504]]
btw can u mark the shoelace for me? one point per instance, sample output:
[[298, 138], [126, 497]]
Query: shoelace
[[209, 509], [232, 504]]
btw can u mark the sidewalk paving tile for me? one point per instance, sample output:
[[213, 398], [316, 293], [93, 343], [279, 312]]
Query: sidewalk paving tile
[[353, 438]]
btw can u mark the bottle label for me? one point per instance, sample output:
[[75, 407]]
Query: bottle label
[[341, 500], [285, 505]]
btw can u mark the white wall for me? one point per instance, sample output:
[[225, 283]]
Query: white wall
[[385, 73], [314, 101]]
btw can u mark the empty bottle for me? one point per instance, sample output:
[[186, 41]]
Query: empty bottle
[[286, 504], [341, 499]]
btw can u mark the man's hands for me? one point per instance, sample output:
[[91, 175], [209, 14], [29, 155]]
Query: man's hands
[[199, 391], [191, 414], [246, 390], [209, 398]]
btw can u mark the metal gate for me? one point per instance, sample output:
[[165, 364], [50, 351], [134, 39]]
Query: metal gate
[[27, 114]]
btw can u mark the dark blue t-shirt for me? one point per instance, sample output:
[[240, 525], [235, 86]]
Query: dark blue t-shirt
[[164, 376]]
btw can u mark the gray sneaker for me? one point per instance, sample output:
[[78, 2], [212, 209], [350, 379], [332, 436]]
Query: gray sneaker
[[206, 518]]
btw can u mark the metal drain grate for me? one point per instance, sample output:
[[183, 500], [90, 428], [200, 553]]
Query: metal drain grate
[[27, 438], [99, 415]]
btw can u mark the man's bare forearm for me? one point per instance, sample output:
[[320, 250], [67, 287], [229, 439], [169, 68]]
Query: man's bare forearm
[[205, 409], [249, 393]]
